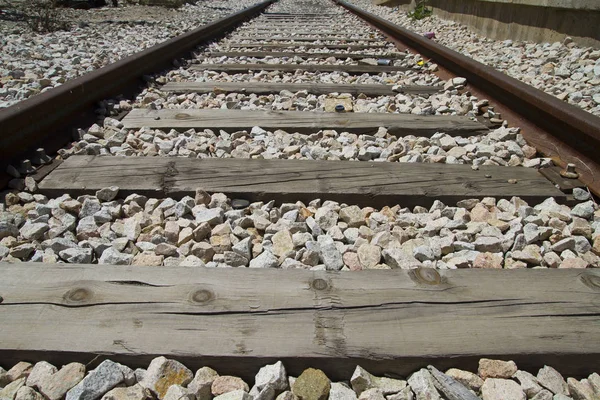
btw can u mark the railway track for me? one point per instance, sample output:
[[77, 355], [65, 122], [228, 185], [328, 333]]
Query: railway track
[[376, 209]]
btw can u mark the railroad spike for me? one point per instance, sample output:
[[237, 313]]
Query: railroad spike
[[569, 172]]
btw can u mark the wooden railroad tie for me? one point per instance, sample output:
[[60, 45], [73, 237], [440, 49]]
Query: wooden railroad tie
[[314, 88], [310, 46], [351, 69], [375, 184], [302, 121], [300, 33], [239, 319], [306, 39], [303, 54]]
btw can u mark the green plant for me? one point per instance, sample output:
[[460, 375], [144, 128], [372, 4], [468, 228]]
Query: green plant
[[421, 10]]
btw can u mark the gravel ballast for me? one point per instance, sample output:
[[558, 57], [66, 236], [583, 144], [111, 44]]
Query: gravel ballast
[[167, 379], [207, 231]]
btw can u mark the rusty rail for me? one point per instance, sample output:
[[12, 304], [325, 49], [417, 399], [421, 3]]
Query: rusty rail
[[564, 132], [52, 115]]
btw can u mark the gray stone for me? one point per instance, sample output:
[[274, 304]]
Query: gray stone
[[212, 216], [273, 376], [40, 371], [129, 378], [76, 255], [339, 391], [33, 231], [421, 383], [107, 193], [561, 397], [528, 383], [581, 390], [369, 255], [244, 247], [489, 368], [423, 253], [501, 389], [22, 369], [404, 394], [192, 261], [234, 259], [178, 392], [583, 210], [203, 251], [89, 207], [4, 379], [552, 380], [162, 373], [115, 257], [4, 251], [234, 395], [58, 244], [326, 218], [131, 228], [135, 392], [8, 229], [56, 386], [139, 374], [397, 258], [564, 244], [543, 395], [371, 394], [362, 380], [87, 228], [202, 382], [469, 379], [98, 382], [353, 216], [22, 251], [581, 194], [488, 244], [449, 387], [287, 395], [266, 259], [9, 392], [594, 380], [329, 254], [226, 383], [282, 243], [27, 393]]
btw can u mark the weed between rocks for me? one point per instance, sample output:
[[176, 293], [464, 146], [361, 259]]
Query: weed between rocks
[[421, 11]]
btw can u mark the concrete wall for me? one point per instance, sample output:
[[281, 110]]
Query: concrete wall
[[534, 20]]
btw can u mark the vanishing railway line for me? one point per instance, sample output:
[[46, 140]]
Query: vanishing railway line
[[305, 142]]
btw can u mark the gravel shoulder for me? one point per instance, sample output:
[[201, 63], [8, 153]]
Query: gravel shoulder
[[32, 63], [565, 70]]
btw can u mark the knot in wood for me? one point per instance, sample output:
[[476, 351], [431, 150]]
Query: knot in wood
[[201, 296], [182, 116], [1, 299], [591, 280], [319, 284], [78, 295], [428, 276]]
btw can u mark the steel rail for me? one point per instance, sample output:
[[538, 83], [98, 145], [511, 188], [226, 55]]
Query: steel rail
[[563, 130], [51, 116]]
